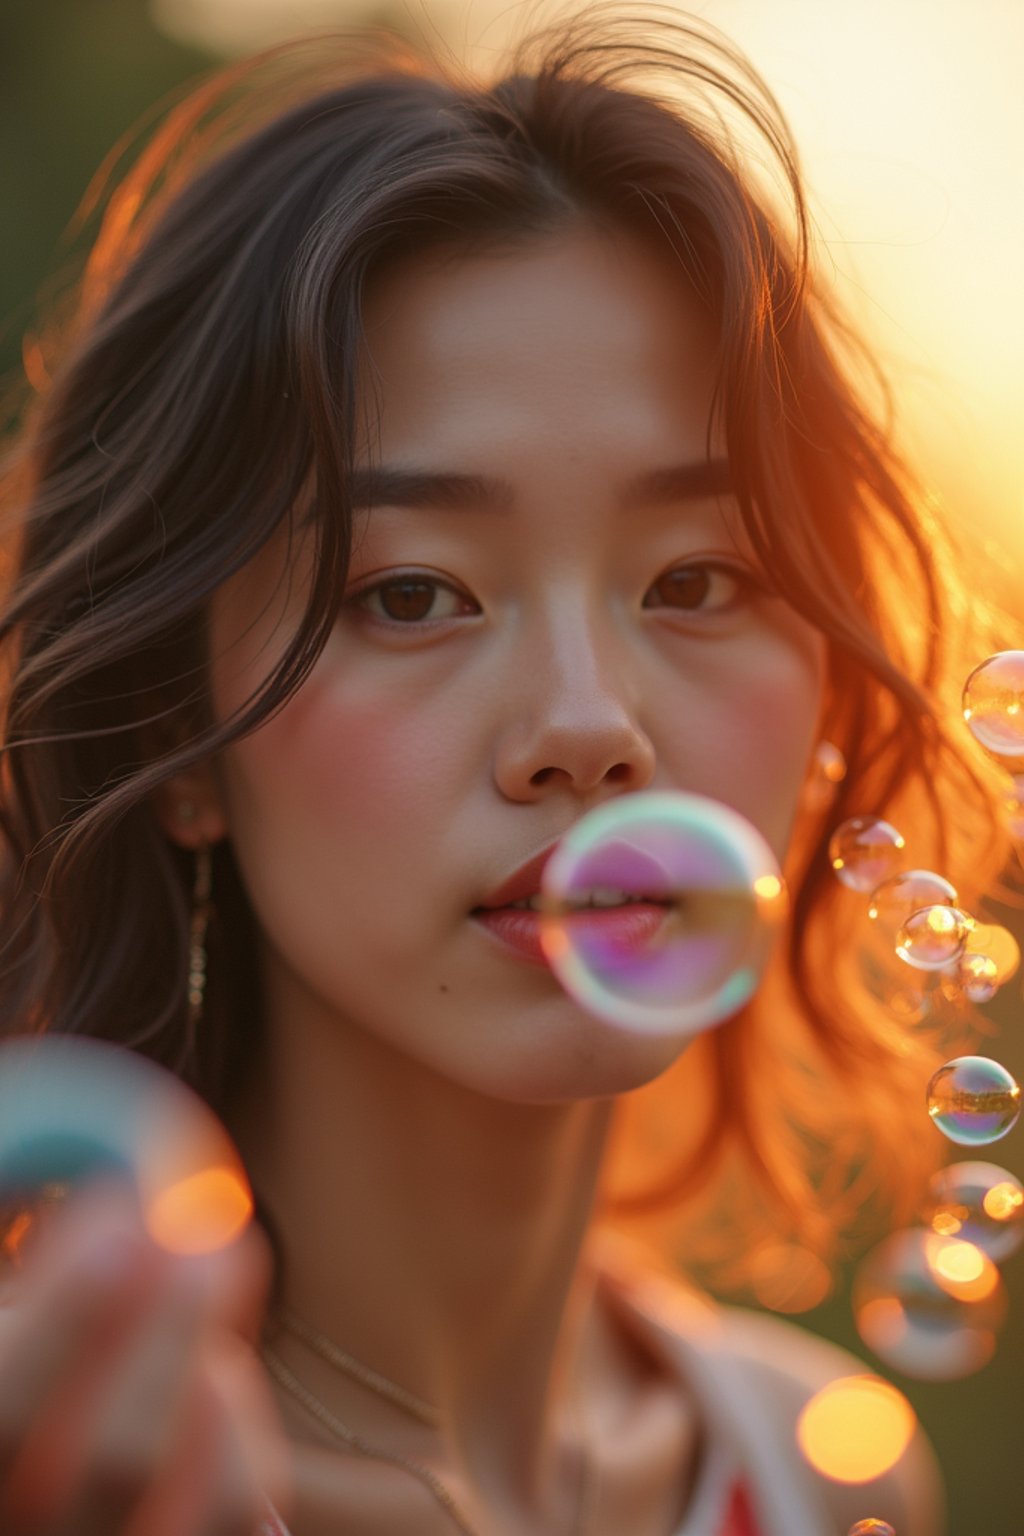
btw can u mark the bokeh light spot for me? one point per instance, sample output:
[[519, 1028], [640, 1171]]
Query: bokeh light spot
[[201, 1213], [855, 1429]]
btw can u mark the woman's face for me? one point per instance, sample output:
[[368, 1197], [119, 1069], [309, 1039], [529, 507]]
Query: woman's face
[[547, 624]]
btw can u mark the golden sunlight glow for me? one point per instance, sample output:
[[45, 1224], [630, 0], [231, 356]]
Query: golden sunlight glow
[[200, 1213], [916, 201], [855, 1429], [767, 887]]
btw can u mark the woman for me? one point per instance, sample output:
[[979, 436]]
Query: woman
[[431, 461]]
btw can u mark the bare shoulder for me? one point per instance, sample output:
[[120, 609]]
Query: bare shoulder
[[790, 1364]]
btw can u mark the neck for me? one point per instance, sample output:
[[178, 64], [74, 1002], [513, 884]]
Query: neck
[[432, 1232]]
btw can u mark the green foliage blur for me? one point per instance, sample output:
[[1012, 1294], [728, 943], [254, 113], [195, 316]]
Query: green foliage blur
[[75, 75]]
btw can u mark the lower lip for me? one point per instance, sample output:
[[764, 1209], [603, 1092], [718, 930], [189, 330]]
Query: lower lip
[[518, 929]]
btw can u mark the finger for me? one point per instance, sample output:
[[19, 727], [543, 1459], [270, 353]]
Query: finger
[[114, 1442], [58, 1347], [204, 1487]]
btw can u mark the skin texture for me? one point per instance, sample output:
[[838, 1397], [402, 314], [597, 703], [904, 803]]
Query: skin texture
[[429, 1128], [421, 764]]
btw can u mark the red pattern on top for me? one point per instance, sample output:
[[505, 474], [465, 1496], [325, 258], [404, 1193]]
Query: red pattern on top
[[739, 1516]]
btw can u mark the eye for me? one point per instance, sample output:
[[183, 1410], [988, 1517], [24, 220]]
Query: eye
[[700, 586], [413, 598]]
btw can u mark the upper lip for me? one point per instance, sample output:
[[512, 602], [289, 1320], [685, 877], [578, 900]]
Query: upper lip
[[521, 883]]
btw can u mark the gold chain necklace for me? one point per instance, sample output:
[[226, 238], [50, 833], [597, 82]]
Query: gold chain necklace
[[326, 1348]]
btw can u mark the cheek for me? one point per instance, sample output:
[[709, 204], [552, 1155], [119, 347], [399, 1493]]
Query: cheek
[[759, 723]]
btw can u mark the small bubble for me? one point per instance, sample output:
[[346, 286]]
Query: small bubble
[[978, 978], [993, 704], [933, 937], [981, 1203], [974, 1100], [996, 944], [871, 1527], [658, 911], [929, 1306], [864, 851], [895, 899]]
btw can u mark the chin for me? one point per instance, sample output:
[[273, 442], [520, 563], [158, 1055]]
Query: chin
[[599, 1061]]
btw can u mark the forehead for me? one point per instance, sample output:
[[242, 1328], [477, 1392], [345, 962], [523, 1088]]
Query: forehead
[[584, 340]]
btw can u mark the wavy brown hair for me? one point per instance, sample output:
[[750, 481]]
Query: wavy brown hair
[[202, 390]]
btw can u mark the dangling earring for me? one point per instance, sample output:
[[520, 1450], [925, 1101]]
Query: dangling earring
[[197, 935], [828, 770]]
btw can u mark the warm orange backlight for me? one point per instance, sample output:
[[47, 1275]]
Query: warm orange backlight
[[16, 1234], [855, 1429], [201, 1213], [767, 887]]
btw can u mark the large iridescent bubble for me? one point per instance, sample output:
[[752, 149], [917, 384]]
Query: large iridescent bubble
[[993, 705], [974, 1100], [73, 1110], [690, 894]]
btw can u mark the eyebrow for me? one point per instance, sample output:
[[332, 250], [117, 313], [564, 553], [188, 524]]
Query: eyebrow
[[393, 486]]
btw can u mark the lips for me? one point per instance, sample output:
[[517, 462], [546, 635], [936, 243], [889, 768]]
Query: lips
[[624, 929], [521, 884]]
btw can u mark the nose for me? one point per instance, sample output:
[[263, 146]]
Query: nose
[[571, 723]]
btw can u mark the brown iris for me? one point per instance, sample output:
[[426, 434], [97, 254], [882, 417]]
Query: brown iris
[[408, 600], [687, 587]]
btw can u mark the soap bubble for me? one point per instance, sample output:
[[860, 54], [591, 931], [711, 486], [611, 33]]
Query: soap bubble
[[996, 944], [929, 1306], [974, 1100], [864, 851], [991, 956], [933, 937], [694, 951], [977, 977], [827, 770], [1013, 812], [871, 1527], [895, 899], [981, 1203], [993, 705], [73, 1109]]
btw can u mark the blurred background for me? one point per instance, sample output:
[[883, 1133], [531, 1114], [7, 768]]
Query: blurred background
[[910, 120]]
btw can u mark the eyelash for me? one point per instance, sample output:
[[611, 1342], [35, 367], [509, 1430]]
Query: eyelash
[[745, 580]]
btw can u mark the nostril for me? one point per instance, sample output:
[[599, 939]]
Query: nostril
[[619, 773], [541, 776]]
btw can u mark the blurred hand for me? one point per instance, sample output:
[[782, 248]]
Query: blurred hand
[[132, 1400]]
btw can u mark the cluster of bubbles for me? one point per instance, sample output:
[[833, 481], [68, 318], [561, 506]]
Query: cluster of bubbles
[[929, 1301]]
